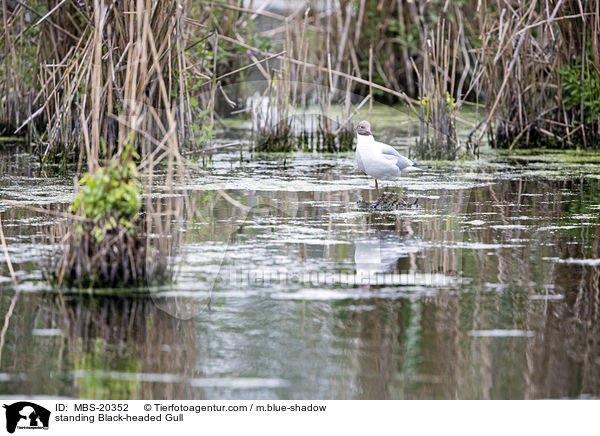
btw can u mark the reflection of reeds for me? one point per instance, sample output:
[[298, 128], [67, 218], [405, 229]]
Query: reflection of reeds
[[104, 348]]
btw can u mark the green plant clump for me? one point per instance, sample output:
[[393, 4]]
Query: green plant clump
[[111, 196], [581, 89]]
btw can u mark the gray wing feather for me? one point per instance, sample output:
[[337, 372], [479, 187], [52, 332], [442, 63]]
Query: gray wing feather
[[401, 161]]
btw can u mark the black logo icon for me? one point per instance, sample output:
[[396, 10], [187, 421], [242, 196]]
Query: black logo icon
[[26, 415]]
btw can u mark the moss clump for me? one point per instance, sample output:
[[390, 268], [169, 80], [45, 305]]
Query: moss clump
[[111, 196]]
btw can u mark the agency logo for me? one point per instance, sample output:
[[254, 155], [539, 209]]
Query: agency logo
[[26, 415]]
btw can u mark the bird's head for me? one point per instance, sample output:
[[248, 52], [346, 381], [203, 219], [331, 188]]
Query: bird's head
[[364, 128]]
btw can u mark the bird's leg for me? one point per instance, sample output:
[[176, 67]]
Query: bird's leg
[[377, 189]]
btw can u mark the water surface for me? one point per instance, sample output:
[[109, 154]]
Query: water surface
[[486, 287]]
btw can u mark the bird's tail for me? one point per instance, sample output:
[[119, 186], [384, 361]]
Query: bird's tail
[[419, 166]]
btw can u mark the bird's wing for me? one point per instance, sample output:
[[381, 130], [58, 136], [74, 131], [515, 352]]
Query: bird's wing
[[359, 162], [390, 152]]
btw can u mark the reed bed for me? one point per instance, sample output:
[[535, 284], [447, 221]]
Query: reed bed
[[541, 73], [324, 52], [323, 61], [114, 98], [337, 57], [534, 65]]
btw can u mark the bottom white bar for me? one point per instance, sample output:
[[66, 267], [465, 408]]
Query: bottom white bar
[[273, 417]]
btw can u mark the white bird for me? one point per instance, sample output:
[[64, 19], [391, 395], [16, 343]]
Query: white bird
[[379, 160]]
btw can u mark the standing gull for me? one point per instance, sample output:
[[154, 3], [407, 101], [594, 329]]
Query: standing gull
[[379, 160]]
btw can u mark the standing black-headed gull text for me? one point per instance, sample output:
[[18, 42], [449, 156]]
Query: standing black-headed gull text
[[379, 160]]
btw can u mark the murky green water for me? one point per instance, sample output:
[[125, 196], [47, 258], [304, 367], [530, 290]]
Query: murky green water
[[488, 287]]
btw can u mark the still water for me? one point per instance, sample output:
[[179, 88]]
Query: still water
[[485, 287]]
